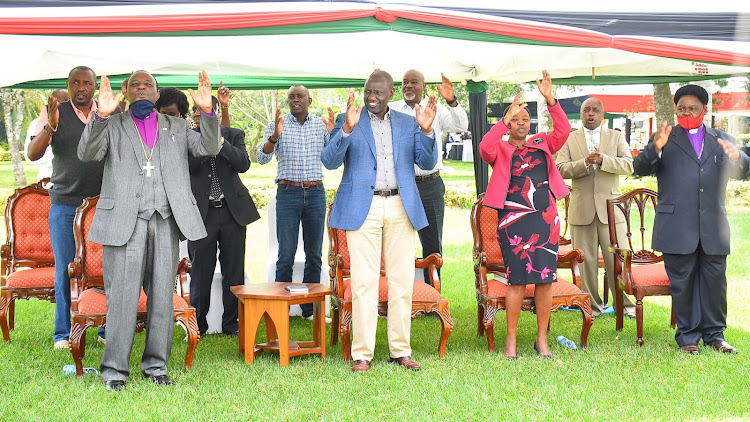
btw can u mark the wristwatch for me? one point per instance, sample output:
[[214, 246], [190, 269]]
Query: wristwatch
[[271, 140], [453, 101]]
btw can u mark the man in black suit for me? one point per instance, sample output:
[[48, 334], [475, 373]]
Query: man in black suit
[[226, 208], [692, 164]]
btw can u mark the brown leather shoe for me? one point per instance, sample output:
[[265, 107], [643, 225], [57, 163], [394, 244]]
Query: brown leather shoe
[[361, 366], [690, 349], [725, 347], [407, 362]]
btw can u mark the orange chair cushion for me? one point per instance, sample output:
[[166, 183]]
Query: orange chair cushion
[[32, 278], [421, 291], [562, 288], [94, 302], [650, 275], [30, 215]]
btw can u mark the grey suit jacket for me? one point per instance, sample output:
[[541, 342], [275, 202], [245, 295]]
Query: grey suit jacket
[[692, 192], [116, 141], [590, 190]]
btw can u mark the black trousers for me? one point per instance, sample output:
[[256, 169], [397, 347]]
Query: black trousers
[[699, 296], [224, 232], [432, 193]]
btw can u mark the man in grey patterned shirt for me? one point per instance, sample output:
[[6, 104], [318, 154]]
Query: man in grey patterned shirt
[[297, 139]]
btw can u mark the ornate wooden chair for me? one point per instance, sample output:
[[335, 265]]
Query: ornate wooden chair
[[491, 292], [88, 301], [27, 245], [426, 298], [566, 245], [639, 272]]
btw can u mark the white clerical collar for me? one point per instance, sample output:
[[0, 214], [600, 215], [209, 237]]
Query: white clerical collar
[[693, 131]]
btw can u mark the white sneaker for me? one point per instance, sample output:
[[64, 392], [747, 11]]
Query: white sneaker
[[62, 345], [102, 340], [312, 318]]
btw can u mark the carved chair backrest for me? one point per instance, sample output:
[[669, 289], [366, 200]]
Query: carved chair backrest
[[638, 207], [28, 241], [484, 229], [89, 254]]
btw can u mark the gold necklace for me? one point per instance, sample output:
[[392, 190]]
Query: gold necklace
[[148, 167]]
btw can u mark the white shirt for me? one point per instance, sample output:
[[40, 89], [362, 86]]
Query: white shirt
[[44, 164], [452, 119], [593, 138]]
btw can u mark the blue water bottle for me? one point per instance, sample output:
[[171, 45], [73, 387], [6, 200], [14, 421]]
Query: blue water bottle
[[71, 370], [567, 343]]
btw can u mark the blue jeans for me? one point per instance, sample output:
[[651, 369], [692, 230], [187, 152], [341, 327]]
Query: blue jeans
[[308, 206], [64, 249]]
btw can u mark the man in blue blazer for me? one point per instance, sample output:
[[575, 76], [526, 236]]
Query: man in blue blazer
[[378, 205], [692, 164]]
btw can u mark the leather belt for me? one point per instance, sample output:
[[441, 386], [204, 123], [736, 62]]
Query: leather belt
[[426, 177], [386, 192], [299, 184], [216, 203]]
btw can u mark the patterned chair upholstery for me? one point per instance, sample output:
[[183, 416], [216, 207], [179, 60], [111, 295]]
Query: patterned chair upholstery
[[639, 271], [488, 259], [88, 301], [28, 246], [566, 245], [426, 298]]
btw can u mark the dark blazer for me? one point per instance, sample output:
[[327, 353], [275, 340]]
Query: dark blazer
[[231, 160], [692, 193], [357, 153]]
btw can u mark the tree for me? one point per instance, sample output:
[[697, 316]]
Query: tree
[[663, 105], [13, 107]]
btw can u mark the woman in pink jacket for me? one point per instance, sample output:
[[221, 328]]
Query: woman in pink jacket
[[524, 187]]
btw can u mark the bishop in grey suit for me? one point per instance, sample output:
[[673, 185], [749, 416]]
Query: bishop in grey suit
[[145, 207]]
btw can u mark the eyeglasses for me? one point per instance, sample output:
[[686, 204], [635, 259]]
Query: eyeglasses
[[376, 93], [691, 109]]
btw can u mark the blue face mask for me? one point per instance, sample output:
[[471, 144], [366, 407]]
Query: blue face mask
[[141, 108]]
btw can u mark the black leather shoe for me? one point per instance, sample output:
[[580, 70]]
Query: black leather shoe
[[115, 385], [160, 379]]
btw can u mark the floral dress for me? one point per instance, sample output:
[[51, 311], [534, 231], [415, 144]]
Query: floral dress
[[529, 228]]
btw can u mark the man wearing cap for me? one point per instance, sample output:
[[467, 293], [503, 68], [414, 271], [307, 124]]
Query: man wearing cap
[[692, 163]]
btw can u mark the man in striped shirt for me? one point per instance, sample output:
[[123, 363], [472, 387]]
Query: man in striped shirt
[[297, 139]]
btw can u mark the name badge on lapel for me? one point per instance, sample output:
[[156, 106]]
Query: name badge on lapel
[[538, 141]]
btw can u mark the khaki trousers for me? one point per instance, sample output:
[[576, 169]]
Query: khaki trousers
[[589, 239], [387, 231]]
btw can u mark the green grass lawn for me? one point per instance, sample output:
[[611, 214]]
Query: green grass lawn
[[612, 380]]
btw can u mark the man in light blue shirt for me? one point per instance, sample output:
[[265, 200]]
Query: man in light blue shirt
[[298, 139]]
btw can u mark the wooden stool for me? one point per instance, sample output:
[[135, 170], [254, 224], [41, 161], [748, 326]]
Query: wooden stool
[[271, 301]]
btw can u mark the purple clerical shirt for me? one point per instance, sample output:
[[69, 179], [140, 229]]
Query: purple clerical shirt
[[147, 128], [697, 140]]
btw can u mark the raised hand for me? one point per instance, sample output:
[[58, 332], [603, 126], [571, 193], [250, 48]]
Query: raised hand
[[352, 114], [729, 149], [446, 89], [330, 120], [426, 117], [278, 124], [545, 87], [108, 102], [662, 136], [202, 98], [222, 94], [53, 114], [514, 109]]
